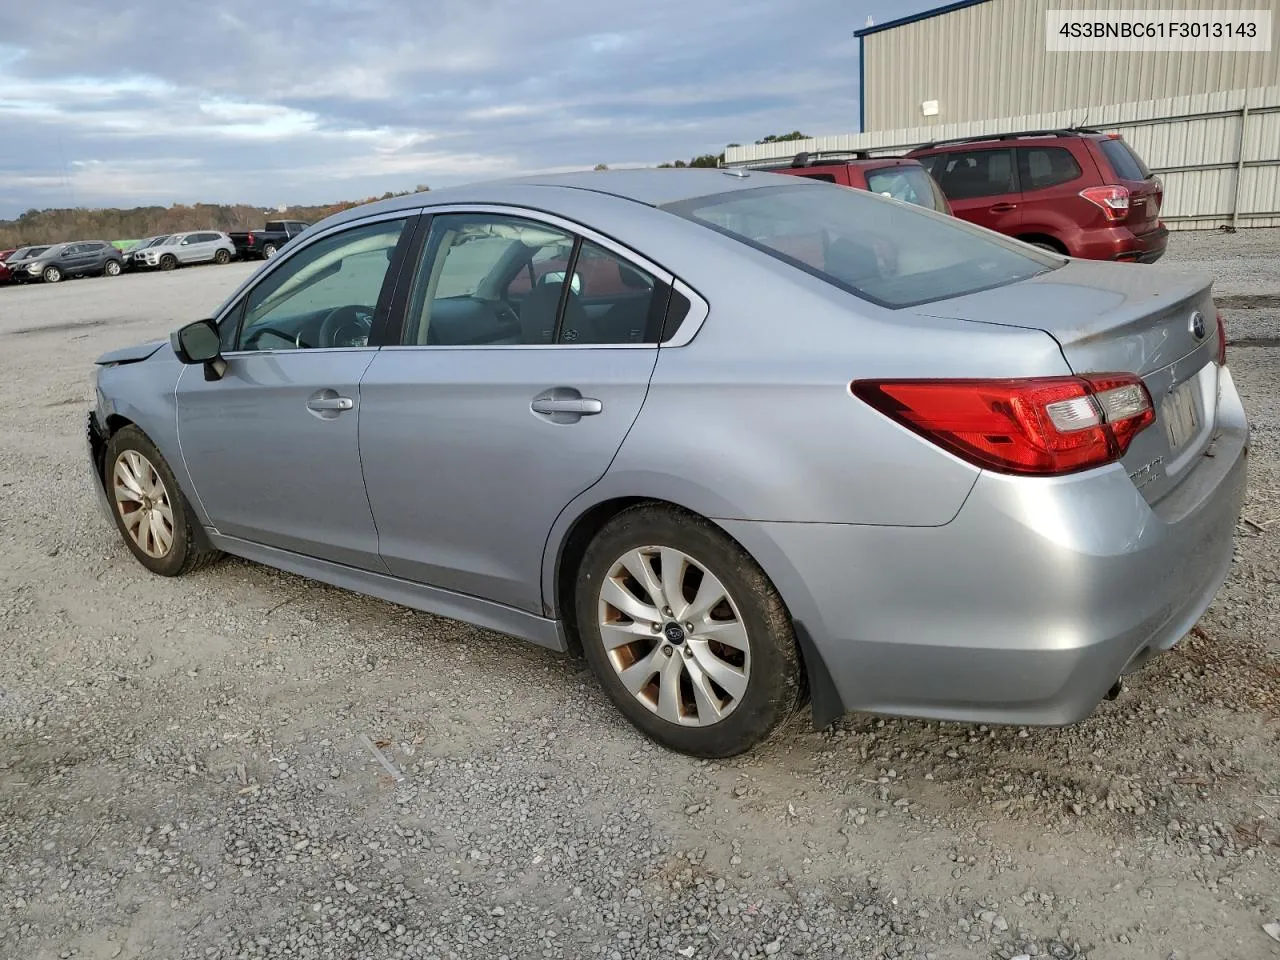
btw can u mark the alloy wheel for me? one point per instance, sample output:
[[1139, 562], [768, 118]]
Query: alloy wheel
[[674, 636], [143, 503]]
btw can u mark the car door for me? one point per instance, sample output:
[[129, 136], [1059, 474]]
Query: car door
[[273, 444], [981, 186], [73, 259], [496, 405], [187, 249]]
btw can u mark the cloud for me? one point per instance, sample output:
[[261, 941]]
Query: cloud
[[319, 100]]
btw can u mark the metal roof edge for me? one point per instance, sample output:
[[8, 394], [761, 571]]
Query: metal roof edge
[[917, 17]]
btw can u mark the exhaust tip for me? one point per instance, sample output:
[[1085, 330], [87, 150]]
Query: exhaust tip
[[1117, 688]]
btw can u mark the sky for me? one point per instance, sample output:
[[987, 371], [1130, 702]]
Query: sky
[[130, 102]]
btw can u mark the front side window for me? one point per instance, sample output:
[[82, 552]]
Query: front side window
[[977, 173], [885, 252], [908, 183], [323, 296]]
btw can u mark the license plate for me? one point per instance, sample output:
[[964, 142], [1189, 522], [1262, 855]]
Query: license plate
[[1178, 411]]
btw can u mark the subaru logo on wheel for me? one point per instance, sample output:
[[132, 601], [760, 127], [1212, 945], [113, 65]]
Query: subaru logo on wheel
[[1197, 324], [674, 633]]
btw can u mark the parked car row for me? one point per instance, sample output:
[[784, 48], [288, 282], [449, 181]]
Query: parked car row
[[1077, 192], [51, 263]]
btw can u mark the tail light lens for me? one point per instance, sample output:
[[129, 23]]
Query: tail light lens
[[1040, 427], [1222, 342], [249, 238], [1112, 200]]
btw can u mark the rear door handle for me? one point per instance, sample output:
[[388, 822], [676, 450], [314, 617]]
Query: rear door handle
[[330, 403], [580, 406], [1002, 207]]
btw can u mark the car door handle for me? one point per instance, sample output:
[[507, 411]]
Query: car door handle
[[581, 406], [330, 403], [1002, 207]]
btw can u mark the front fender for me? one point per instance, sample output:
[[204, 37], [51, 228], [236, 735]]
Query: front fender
[[145, 394]]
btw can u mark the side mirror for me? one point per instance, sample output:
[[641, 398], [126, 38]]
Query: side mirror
[[199, 342]]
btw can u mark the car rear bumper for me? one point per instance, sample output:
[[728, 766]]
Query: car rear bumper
[[1029, 605], [1121, 243]]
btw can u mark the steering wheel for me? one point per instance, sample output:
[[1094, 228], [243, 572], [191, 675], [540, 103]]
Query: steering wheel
[[347, 326]]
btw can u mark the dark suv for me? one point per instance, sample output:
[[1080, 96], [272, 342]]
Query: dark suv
[[1079, 192], [77, 259]]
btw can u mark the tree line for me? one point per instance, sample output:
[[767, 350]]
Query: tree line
[[79, 223]]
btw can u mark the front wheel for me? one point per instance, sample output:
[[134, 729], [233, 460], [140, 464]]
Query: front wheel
[[51, 275], [112, 269], [168, 261], [158, 525], [686, 633], [222, 257]]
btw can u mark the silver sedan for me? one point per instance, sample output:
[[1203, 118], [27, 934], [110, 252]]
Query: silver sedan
[[745, 441]]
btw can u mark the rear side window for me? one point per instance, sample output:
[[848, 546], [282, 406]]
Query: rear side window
[[908, 183], [1041, 167], [824, 177], [978, 173], [888, 253], [1126, 164]]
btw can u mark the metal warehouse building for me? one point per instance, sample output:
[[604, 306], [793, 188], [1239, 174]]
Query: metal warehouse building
[[979, 59], [1208, 123]]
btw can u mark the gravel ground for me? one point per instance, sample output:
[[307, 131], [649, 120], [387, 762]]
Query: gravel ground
[[193, 769]]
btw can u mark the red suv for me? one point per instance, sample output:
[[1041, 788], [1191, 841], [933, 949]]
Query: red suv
[[896, 177], [1079, 192]]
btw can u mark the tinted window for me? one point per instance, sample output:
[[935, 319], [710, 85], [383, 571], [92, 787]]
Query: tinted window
[[1126, 164], [979, 173], [324, 295], [1041, 167], [824, 177], [891, 254], [908, 183]]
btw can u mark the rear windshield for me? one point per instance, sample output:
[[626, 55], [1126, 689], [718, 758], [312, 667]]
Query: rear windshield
[[908, 183], [1124, 161], [893, 254]]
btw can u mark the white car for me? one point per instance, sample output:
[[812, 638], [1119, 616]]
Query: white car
[[199, 246]]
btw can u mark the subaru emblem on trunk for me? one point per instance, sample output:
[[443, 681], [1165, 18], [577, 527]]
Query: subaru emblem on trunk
[[1197, 324]]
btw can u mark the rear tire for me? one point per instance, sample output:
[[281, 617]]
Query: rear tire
[[268, 251], [221, 257], [112, 268], [713, 669], [51, 275], [168, 261], [154, 518]]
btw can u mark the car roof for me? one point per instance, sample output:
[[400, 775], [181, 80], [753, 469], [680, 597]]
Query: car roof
[[654, 187]]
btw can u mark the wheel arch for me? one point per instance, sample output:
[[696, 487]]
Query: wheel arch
[[1036, 237], [582, 520]]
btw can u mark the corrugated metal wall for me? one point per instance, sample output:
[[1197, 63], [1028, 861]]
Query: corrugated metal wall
[[1212, 175], [989, 60]]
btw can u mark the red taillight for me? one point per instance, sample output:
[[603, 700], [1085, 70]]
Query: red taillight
[[1112, 200], [1222, 342], [1043, 427], [249, 239]]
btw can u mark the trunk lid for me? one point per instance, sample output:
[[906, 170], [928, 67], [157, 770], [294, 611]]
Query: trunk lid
[[1112, 318]]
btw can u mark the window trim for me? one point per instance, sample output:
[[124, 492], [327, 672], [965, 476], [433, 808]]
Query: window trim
[[235, 309], [394, 330]]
